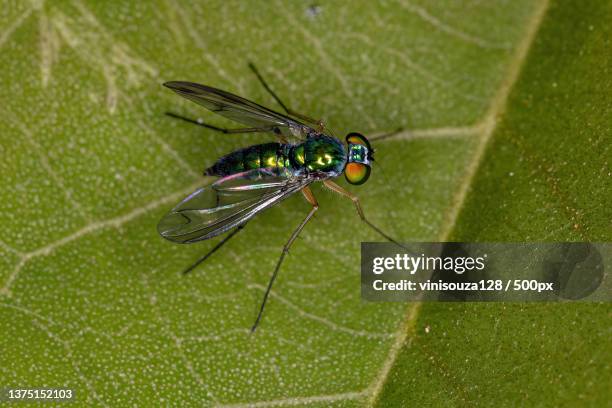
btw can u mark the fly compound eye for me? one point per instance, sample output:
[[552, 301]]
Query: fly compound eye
[[358, 139], [356, 173]]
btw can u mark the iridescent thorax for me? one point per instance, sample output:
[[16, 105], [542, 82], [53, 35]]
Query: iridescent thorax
[[324, 154]]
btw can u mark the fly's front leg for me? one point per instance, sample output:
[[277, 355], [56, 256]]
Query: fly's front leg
[[315, 206], [335, 187]]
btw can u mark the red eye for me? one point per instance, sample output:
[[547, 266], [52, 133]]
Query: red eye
[[357, 138], [356, 173]]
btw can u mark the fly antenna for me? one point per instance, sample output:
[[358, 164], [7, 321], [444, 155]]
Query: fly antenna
[[386, 135]]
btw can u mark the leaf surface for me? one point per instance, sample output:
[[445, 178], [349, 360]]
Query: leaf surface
[[543, 175], [92, 298]]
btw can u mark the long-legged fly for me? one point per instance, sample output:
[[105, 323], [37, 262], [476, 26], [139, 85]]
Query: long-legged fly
[[257, 177]]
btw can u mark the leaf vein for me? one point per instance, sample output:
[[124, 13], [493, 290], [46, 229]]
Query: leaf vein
[[332, 325], [454, 32], [327, 62]]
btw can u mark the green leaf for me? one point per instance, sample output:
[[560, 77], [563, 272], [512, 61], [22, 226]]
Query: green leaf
[[543, 175], [92, 298]]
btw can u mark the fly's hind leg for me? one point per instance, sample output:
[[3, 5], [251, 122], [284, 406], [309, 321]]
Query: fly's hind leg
[[272, 129], [315, 206], [213, 250], [288, 110], [335, 187], [222, 130]]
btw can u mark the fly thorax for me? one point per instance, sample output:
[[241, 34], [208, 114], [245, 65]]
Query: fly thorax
[[320, 154]]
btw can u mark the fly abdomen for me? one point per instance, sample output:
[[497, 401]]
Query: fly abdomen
[[267, 155]]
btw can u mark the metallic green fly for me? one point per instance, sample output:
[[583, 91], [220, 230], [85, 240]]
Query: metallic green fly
[[257, 177]]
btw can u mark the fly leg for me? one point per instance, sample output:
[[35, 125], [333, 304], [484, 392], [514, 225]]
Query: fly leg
[[315, 206], [285, 108], [334, 187], [223, 130], [214, 249]]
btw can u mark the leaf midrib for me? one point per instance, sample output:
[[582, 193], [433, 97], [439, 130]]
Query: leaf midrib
[[487, 128]]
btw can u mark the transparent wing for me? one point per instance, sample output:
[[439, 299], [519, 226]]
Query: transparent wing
[[227, 203], [238, 109]]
